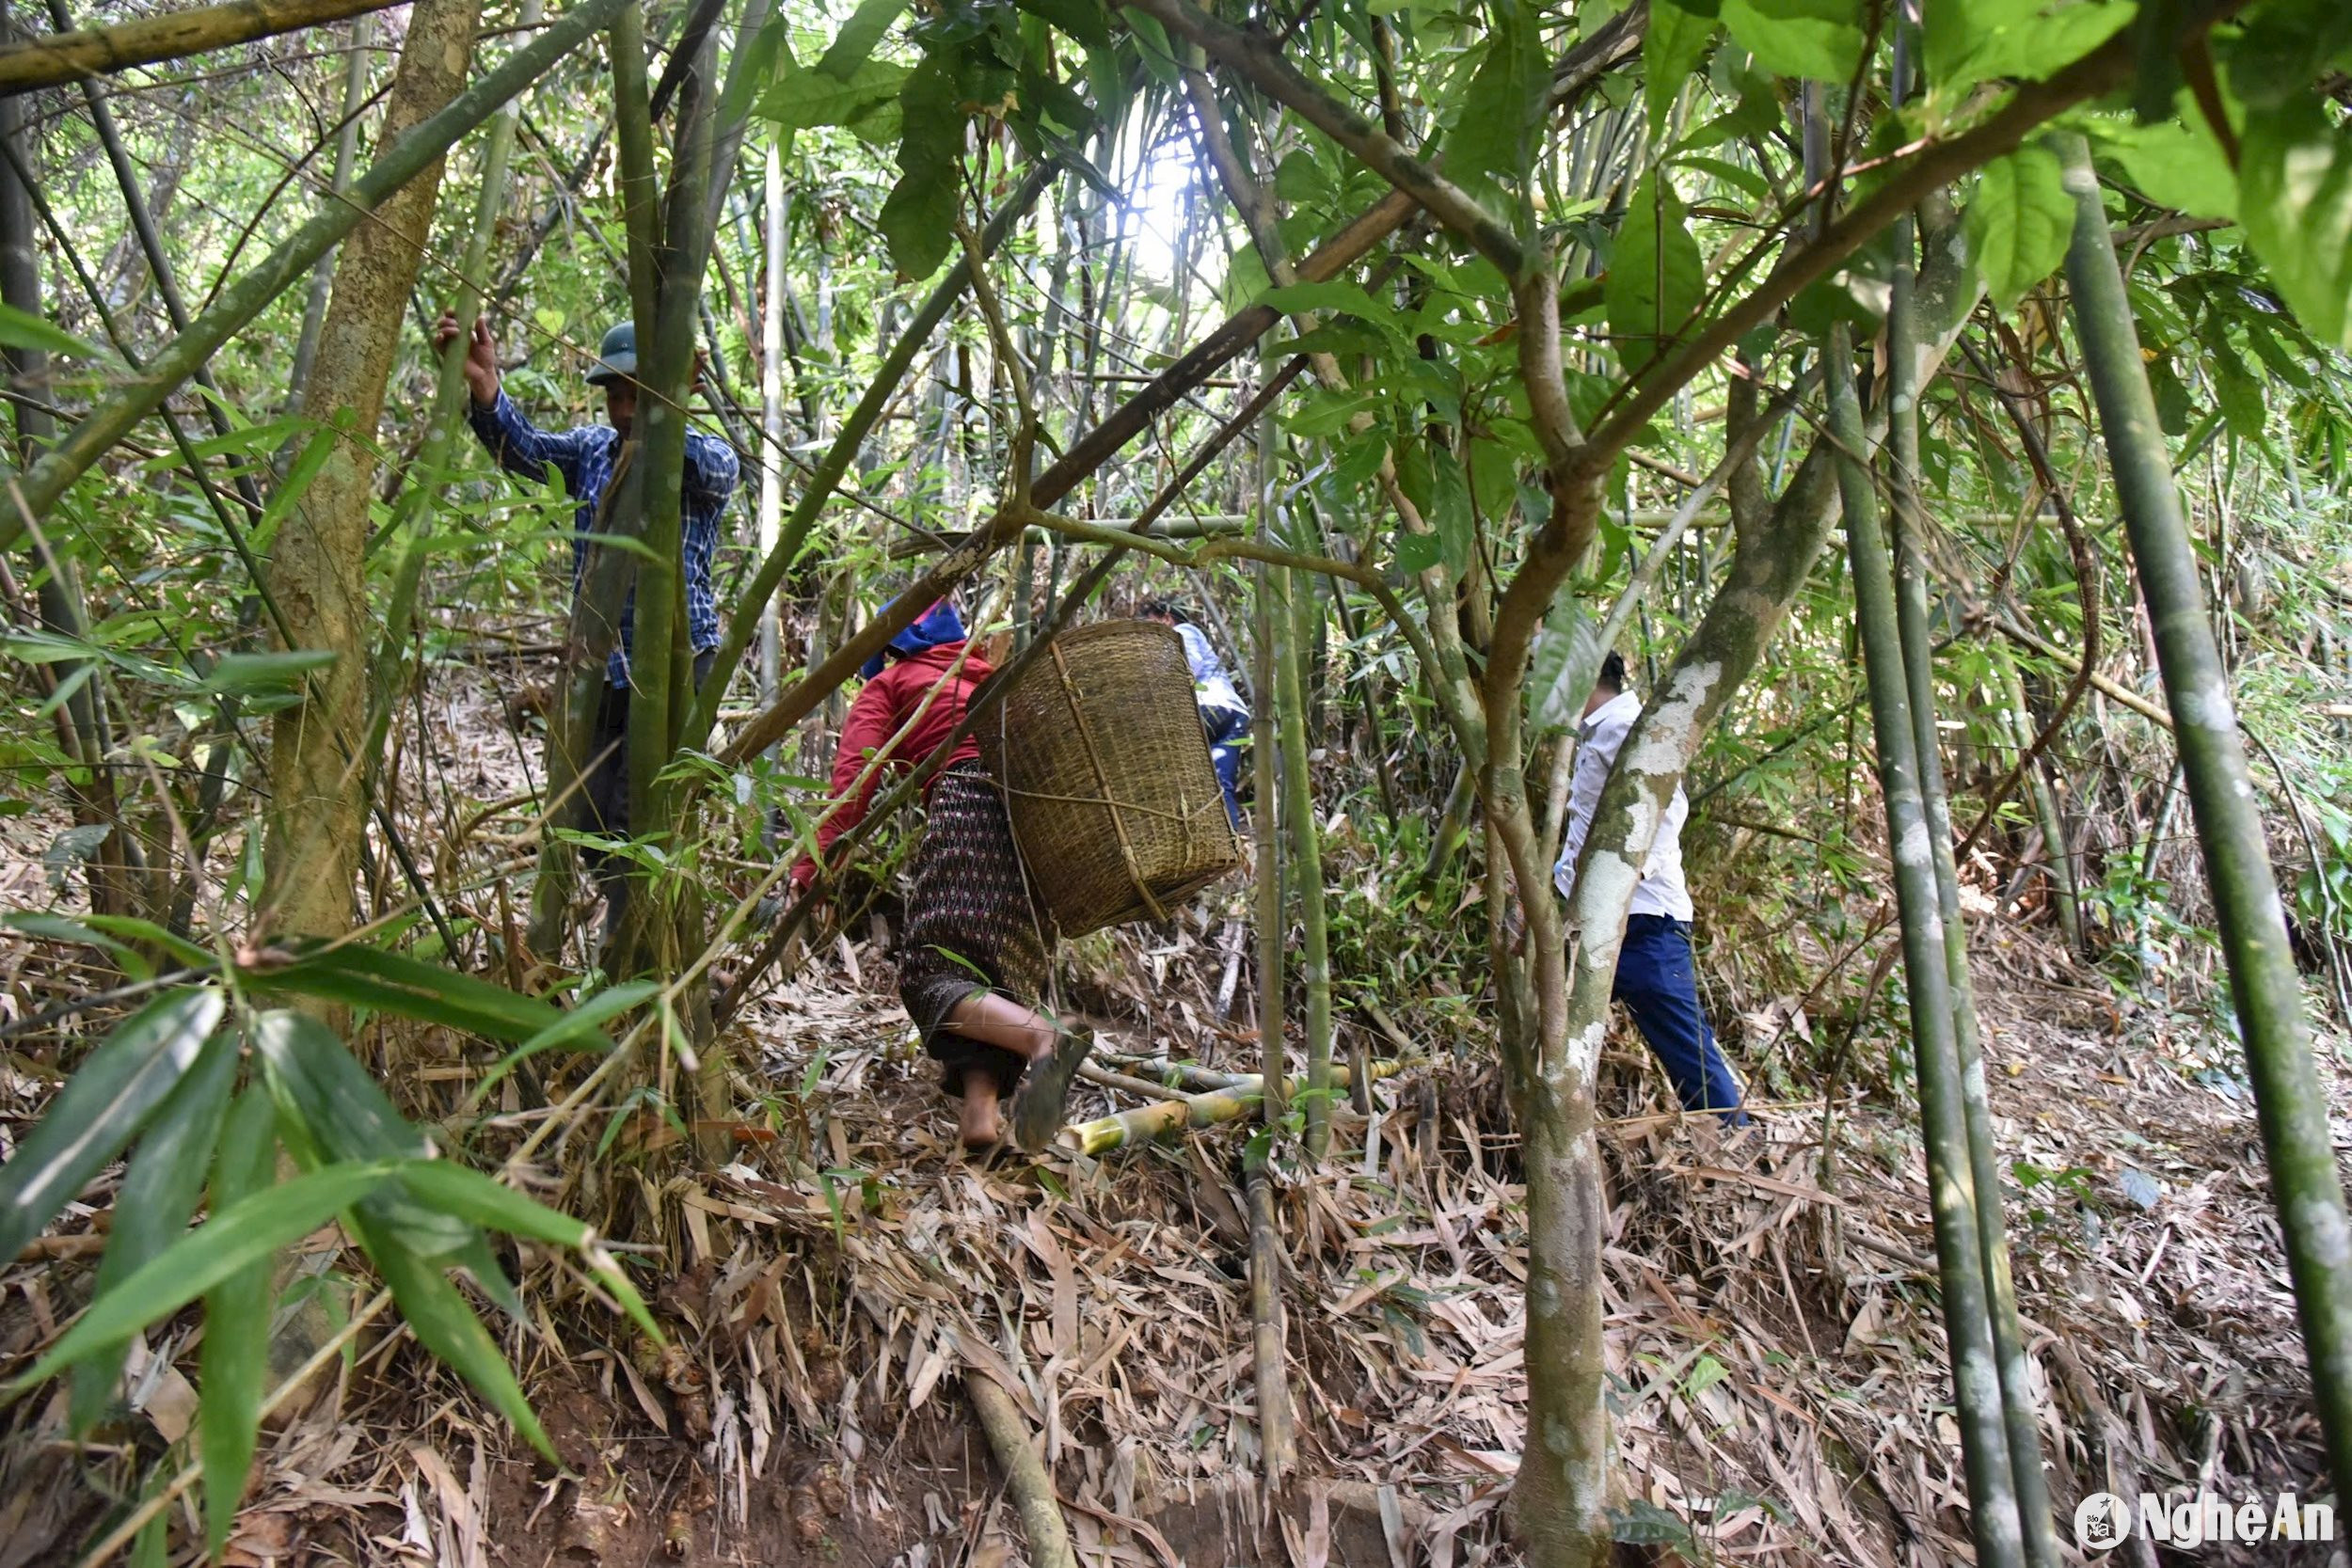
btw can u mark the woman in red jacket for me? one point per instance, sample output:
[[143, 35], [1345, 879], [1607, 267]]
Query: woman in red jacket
[[972, 964]]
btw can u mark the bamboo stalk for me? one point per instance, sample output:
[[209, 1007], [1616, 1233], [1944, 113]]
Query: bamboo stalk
[[43, 62], [1278, 1419], [2065, 891], [1984, 1440], [2263, 985], [1305, 846], [1901, 452], [1026, 1475], [1210, 1108]]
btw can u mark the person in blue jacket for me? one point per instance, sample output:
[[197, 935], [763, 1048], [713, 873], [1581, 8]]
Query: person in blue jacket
[[1223, 713]]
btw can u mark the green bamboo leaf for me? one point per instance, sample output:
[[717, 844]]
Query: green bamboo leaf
[[2019, 222], [23, 329], [159, 1193], [581, 1029], [263, 674], [2294, 198], [233, 1361], [346, 1114], [1656, 278], [474, 1197], [126, 928], [361, 976], [1817, 38], [444, 1324], [1671, 52], [230, 1242], [56, 927], [290, 491], [101, 1108]]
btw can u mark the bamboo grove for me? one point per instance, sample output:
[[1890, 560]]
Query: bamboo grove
[[1439, 348]]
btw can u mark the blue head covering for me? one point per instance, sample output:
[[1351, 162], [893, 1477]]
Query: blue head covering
[[936, 625]]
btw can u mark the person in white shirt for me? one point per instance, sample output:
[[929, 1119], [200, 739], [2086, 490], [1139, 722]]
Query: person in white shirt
[[1223, 714], [1655, 978]]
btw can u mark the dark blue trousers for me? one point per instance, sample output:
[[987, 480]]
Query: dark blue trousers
[[1657, 986], [1228, 728]]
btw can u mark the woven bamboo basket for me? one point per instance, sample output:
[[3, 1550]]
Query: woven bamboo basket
[[1105, 769]]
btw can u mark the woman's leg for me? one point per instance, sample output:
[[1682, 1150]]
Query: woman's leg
[[1001, 1021]]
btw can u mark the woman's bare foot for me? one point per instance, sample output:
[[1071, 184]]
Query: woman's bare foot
[[981, 1123]]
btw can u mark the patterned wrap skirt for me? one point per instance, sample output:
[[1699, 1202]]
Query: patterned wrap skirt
[[971, 926]]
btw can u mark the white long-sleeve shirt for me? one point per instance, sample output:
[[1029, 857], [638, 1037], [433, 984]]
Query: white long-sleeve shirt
[[1600, 737], [1212, 688]]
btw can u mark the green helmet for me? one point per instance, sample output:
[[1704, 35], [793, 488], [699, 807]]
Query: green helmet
[[616, 356]]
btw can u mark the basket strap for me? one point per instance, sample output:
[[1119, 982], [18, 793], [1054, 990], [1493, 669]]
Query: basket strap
[[1102, 780]]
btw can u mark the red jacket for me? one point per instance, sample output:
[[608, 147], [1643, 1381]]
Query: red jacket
[[882, 709]]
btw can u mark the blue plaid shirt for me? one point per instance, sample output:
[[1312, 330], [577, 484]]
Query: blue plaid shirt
[[584, 458]]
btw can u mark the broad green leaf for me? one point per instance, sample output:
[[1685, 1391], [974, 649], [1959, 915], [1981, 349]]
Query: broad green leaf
[[1416, 552], [855, 43], [2022, 39], [2295, 199], [803, 98], [444, 1324], [362, 976], [230, 1242], [1500, 114], [101, 1107], [23, 329], [917, 220], [2282, 47], [1670, 51], [2019, 223], [1817, 38], [1083, 20], [2173, 163], [1656, 278], [1562, 666], [159, 1192], [1338, 295], [233, 1360], [269, 674]]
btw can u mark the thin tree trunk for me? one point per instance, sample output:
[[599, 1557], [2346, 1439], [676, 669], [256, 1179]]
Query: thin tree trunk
[[347, 154], [771, 421], [1265, 806], [1306, 848], [2022, 1425], [2058, 860], [2268, 995], [318, 567], [58, 594], [1976, 1375]]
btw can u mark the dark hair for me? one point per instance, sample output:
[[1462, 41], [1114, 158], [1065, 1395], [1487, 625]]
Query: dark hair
[[1162, 609], [1612, 671]]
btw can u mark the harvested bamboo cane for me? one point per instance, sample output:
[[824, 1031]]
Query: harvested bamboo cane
[[1278, 1426], [1026, 1475], [1168, 1074], [1147, 1123]]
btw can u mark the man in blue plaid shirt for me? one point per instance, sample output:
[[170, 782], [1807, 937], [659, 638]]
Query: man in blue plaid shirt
[[583, 459]]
